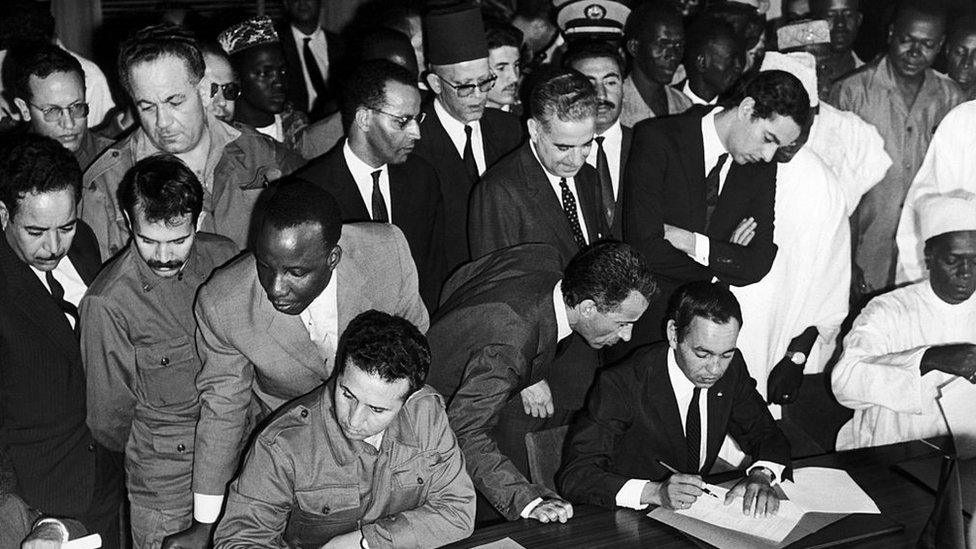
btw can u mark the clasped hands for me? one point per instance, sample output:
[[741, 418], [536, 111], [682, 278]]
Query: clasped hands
[[681, 491]]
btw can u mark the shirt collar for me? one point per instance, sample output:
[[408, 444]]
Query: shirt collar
[[694, 96], [221, 133], [359, 169], [614, 133], [553, 179], [679, 381], [563, 329], [319, 34], [711, 143], [453, 126]]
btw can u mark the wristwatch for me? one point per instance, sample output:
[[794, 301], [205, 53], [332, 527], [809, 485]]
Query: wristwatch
[[797, 357]]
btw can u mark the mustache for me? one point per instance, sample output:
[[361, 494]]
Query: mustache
[[164, 265], [52, 257], [607, 103]]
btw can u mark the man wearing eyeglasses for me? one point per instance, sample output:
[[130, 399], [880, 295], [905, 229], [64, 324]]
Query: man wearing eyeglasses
[[373, 175], [48, 88], [220, 80], [459, 137], [162, 70]]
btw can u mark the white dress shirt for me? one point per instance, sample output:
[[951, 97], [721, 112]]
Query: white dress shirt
[[320, 51], [362, 174], [713, 149], [694, 96], [556, 188], [612, 146], [321, 319], [455, 130], [630, 493], [563, 330], [74, 287]]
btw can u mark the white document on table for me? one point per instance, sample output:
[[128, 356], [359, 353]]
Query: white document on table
[[714, 511], [505, 543], [818, 489], [93, 541], [958, 404]]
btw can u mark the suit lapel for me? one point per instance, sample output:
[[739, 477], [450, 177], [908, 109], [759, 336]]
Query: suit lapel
[[550, 208], [664, 406], [402, 201], [347, 184], [719, 406], [693, 163], [586, 190], [352, 295]]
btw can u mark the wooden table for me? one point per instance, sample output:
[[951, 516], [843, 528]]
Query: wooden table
[[900, 499]]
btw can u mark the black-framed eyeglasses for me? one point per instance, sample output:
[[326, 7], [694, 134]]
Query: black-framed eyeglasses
[[465, 90], [53, 113], [231, 90], [403, 121]]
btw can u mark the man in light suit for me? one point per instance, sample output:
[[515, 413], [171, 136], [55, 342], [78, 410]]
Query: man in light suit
[[268, 324], [48, 257], [692, 213]]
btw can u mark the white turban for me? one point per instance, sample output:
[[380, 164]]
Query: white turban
[[800, 64], [946, 213]]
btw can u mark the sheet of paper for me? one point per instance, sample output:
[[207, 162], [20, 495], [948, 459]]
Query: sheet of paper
[[93, 541], [958, 403], [714, 511], [506, 543], [827, 491]]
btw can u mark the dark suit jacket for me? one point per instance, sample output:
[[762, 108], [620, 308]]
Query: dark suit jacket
[[515, 204], [665, 183], [417, 208], [501, 133], [494, 335], [296, 92], [632, 420], [617, 230], [42, 395]]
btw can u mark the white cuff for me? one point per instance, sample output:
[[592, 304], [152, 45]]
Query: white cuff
[[776, 468], [206, 508], [61, 527], [530, 507], [702, 249], [630, 494]]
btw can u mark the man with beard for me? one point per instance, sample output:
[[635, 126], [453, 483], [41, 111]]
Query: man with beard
[[960, 52], [601, 63], [48, 88], [911, 353], [268, 324], [505, 62], [137, 344], [459, 137], [161, 68], [257, 57], [48, 257], [373, 175], [655, 40], [713, 60], [905, 100]]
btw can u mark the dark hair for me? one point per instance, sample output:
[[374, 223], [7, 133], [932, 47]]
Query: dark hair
[[210, 47], [607, 272], [819, 7], [501, 34], [388, 346], [384, 43], [24, 23], [774, 92], [156, 41], [41, 60], [581, 50], [532, 10], [366, 86], [747, 22], [646, 15], [565, 94], [34, 164], [163, 187], [961, 24], [704, 32], [703, 299], [294, 201], [925, 8]]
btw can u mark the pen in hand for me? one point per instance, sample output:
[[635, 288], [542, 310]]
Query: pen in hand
[[677, 472]]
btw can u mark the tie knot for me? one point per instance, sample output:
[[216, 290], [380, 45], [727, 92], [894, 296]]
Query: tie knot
[[562, 183], [467, 130], [307, 40], [599, 140], [695, 394], [376, 176]]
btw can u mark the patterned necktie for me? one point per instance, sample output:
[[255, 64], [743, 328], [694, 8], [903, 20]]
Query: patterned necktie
[[469, 164], [693, 433], [379, 205], [57, 292], [569, 208], [711, 188], [314, 74], [606, 184]]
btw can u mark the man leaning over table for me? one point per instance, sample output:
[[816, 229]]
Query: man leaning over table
[[671, 404]]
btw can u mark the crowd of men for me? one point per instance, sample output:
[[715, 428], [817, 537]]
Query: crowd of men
[[291, 289]]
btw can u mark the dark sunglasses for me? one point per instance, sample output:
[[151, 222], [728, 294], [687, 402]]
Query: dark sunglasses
[[231, 90]]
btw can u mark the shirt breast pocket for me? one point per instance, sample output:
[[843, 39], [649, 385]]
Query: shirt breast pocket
[[323, 513], [167, 372], [411, 480]]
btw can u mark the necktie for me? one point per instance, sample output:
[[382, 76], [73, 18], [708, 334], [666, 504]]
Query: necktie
[[314, 74], [57, 292], [569, 208], [693, 433], [379, 205], [711, 187], [606, 184], [469, 164]]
